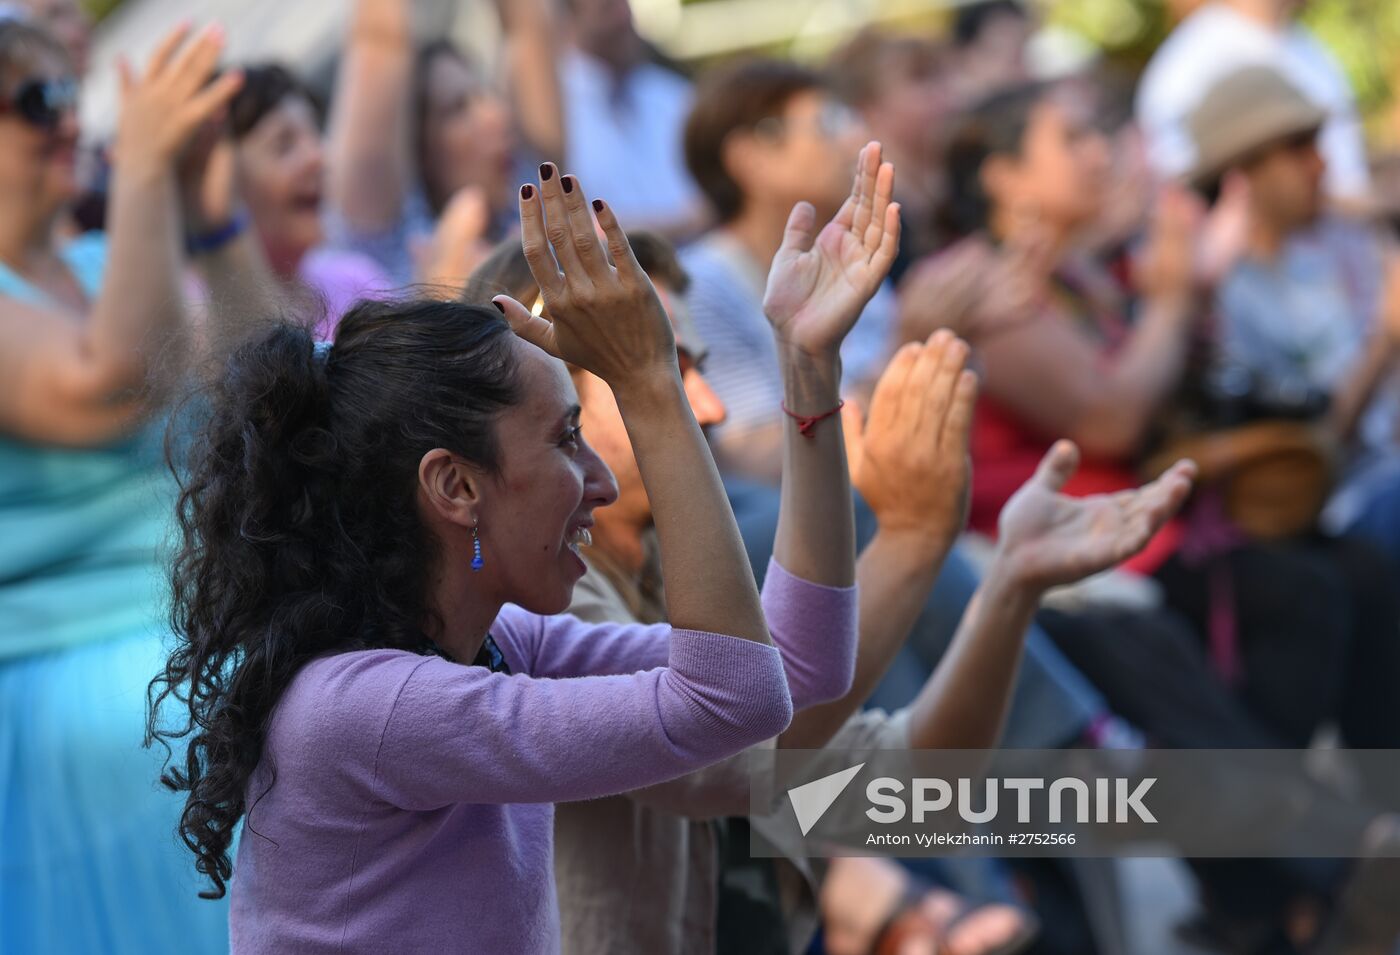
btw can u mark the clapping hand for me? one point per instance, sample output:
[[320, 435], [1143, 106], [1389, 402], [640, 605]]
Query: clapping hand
[[975, 290], [1048, 538], [602, 316], [163, 108], [909, 460], [820, 281]]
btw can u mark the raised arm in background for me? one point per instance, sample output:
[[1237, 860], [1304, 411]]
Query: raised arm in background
[[71, 379], [371, 126], [372, 136], [530, 32], [705, 569], [242, 294]]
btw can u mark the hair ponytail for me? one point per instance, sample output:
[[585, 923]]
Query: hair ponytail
[[299, 532]]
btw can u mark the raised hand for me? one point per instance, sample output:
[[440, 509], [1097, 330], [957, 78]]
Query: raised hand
[[1224, 233], [208, 194], [458, 243], [162, 108], [976, 291], [1047, 538], [820, 281], [1167, 266], [603, 317], [910, 459]]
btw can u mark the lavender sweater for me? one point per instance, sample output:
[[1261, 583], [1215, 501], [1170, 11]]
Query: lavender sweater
[[412, 808]]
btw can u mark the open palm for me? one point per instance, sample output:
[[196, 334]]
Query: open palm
[[1050, 538], [820, 282]]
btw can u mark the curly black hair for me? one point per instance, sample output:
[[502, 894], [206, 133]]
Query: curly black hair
[[299, 528]]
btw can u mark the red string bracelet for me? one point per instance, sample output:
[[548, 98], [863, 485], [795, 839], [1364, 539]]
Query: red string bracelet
[[805, 423]]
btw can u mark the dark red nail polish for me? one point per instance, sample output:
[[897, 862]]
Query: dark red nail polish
[[546, 171], [499, 307], [568, 183], [527, 191], [597, 205]]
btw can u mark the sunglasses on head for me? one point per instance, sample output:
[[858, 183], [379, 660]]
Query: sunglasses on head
[[41, 102]]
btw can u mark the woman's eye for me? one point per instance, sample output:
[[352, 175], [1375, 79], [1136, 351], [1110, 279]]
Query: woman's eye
[[571, 437]]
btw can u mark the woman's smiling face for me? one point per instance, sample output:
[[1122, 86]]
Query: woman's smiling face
[[538, 508]]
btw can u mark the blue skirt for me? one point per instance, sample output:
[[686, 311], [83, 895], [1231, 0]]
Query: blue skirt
[[89, 858]]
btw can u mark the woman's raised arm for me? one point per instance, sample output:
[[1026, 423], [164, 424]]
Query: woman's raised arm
[[605, 317], [80, 381]]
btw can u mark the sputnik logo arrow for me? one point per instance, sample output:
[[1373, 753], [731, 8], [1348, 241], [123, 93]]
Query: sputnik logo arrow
[[810, 801]]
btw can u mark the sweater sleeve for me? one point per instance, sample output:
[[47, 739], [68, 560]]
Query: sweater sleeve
[[463, 734], [815, 629], [565, 646]]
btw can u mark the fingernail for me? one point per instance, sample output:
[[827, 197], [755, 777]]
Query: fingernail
[[597, 205], [568, 183], [499, 307], [546, 171], [527, 191]]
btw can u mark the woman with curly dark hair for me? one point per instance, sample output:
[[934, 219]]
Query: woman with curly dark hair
[[374, 539]]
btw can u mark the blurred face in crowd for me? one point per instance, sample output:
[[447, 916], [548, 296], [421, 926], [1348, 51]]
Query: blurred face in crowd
[[1059, 174], [39, 132], [619, 526], [280, 166], [604, 29], [1001, 44], [467, 138], [914, 100], [808, 153], [1286, 181], [68, 23]]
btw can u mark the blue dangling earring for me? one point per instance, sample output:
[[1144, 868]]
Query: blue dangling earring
[[477, 562]]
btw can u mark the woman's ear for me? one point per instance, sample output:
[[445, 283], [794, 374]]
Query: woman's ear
[[450, 487]]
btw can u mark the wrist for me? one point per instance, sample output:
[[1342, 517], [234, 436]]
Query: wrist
[[214, 237], [646, 389], [811, 383], [914, 542], [1006, 585]]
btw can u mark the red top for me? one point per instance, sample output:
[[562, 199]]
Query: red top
[[1006, 450]]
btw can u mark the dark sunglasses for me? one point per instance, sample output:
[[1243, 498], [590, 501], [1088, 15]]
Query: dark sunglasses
[[42, 102]]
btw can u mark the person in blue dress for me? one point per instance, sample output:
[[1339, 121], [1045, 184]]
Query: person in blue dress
[[89, 861]]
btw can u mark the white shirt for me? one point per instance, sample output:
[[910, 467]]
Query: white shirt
[[625, 140], [1214, 42]]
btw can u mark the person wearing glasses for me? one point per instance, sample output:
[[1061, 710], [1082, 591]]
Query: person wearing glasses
[[88, 861]]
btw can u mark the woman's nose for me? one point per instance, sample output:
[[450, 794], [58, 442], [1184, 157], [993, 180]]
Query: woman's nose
[[599, 485]]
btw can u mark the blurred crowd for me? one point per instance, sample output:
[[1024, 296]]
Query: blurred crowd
[[1191, 262]]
